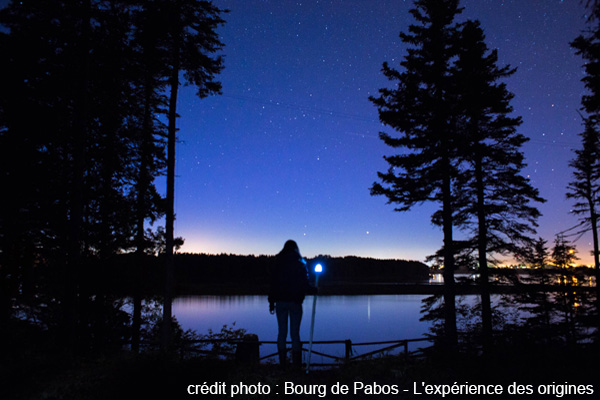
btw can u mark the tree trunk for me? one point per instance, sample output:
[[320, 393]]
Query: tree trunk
[[76, 201], [486, 307], [169, 257], [449, 286], [143, 185], [594, 221]]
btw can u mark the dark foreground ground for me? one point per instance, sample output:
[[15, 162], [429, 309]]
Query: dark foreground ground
[[31, 369]]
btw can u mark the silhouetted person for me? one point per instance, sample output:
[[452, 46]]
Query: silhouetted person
[[289, 285]]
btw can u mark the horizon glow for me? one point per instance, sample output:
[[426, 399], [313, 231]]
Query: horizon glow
[[291, 147]]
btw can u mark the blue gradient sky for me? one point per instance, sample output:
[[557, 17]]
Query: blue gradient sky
[[291, 147]]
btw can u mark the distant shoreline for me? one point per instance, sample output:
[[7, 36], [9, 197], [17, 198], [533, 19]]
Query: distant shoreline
[[351, 289], [249, 275]]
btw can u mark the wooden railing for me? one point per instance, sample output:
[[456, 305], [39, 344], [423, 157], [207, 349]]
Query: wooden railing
[[246, 346]]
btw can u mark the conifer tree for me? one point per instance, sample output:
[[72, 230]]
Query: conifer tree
[[421, 109], [563, 252], [587, 45], [191, 43], [70, 113], [586, 166], [494, 197], [535, 254], [585, 187], [61, 118], [150, 57]]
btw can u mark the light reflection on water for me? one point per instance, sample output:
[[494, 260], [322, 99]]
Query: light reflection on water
[[358, 318]]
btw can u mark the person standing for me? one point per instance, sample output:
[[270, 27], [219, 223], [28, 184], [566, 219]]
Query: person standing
[[289, 285]]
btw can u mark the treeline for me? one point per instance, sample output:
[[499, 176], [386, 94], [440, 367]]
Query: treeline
[[239, 274], [359, 269]]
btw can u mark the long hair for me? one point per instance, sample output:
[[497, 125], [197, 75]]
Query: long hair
[[290, 248]]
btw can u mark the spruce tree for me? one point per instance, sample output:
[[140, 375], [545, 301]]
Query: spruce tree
[[421, 109], [587, 45], [563, 252], [494, 197], [585, 187], [79, 80], [191, 42], [586, 166], [150, 57], [535, 254], [70, 118]]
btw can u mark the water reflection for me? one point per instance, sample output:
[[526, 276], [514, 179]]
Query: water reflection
[[557, 310], [358, 318]]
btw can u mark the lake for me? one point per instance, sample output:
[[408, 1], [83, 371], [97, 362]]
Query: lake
[[362, 318], [358, 318]]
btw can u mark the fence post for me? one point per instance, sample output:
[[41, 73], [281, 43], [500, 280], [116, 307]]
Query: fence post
[[406, 347], [247, 350], [348, 344]]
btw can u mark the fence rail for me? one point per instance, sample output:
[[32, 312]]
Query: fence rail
[[251, 346]]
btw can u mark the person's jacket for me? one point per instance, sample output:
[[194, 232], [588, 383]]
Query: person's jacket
[[289, 279]]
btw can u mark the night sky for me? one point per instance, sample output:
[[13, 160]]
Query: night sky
[[291, 148]]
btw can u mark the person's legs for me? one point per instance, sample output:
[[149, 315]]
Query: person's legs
[[295, 320], [282, 311]]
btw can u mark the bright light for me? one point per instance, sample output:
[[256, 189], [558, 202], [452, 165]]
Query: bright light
[[318, 268]]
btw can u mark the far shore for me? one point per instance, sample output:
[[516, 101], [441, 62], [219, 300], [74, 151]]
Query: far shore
[[352, 288]]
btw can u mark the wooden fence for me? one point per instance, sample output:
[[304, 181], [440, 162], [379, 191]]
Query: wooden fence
[[247, 349]]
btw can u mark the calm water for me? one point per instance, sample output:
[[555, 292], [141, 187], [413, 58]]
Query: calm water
[[358, 318]]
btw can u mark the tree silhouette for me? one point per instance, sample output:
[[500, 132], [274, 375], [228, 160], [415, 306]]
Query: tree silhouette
[[190, 43], [494, 197], [586, 167], [585, 187], [81, 143], [76, 142], [563, 252], [421, 108], [535, 254], [150, 141]]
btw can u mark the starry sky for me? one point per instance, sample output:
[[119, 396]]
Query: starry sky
[[291, 148]]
